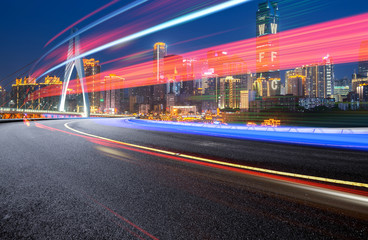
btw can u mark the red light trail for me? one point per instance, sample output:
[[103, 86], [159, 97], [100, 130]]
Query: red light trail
[[341, 39]]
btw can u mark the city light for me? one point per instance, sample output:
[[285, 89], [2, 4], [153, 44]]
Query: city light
[[167, 119]]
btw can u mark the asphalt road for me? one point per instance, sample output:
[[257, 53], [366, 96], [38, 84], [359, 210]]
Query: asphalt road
[[56, 183]]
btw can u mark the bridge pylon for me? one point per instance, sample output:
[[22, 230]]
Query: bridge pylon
[[73, 52]]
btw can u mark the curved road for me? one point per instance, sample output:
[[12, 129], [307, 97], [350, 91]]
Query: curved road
[[88, 179]]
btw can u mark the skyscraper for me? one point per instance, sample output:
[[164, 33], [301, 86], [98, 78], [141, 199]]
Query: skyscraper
[[229, 96], [113, 93], [295, 82], [92, 71], [363, 60], [328, 76], [158, 91], [2, 97], [267, 26], [159, 52], [20, 92], [46, 102], [320, 77]]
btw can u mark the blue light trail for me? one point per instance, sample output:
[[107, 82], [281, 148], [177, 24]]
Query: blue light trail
[[334, 140]]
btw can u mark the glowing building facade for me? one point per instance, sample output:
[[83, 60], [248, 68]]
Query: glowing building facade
[[320, 79], [114, 95], [229, 95], [267, 27], [92, 71], [20, 92], [363, 61], [295, 82], [158, 91], [49, 102]]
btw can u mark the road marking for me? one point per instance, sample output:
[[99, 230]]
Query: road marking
[[201, 159]]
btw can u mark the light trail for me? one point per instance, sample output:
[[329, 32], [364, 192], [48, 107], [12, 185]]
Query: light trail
[[227, 164], [89, 26], [318, 190], [162, 26], [340, 38], [353, 141]]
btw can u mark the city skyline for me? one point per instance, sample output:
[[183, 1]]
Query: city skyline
[[248, 25], [169, 119], [211, 75]]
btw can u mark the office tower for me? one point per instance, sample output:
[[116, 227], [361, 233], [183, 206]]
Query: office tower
[[158, 91], [159, 52], [190, 67], [357, 81], [295, 82], [246, 97], [315, 87], [21, 90], [92, 71], [319, 79], [50, 85], [173, 70], [363, 60], [114, 93], [2, 97], [229, 95], [267, 24], [328, 76], [362, 91]]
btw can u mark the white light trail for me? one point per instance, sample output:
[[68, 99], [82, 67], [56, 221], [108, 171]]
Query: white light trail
[[92, 25], [162, 26]]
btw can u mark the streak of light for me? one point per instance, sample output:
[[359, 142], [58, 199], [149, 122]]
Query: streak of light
[[344, 141], [162, 26], [88, 27], [226, 164], [341, 197], [341, 39], [145, 52], [81, 20]]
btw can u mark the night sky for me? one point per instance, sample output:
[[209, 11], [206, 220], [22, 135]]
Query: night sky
[[26, 26]]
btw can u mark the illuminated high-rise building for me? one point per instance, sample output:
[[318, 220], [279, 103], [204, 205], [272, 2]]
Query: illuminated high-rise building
[[173, 69], [51, 85], [328, 76], [229, 95], [267, 27], [159, 52], [362, 91], [92, 71], [267, 18], [2, 96], [363, 60], [295, 82], [114, 94], [158, 91], [21, 93], [320, 79]]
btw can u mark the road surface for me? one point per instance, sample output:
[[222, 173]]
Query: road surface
[[84, 179]]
